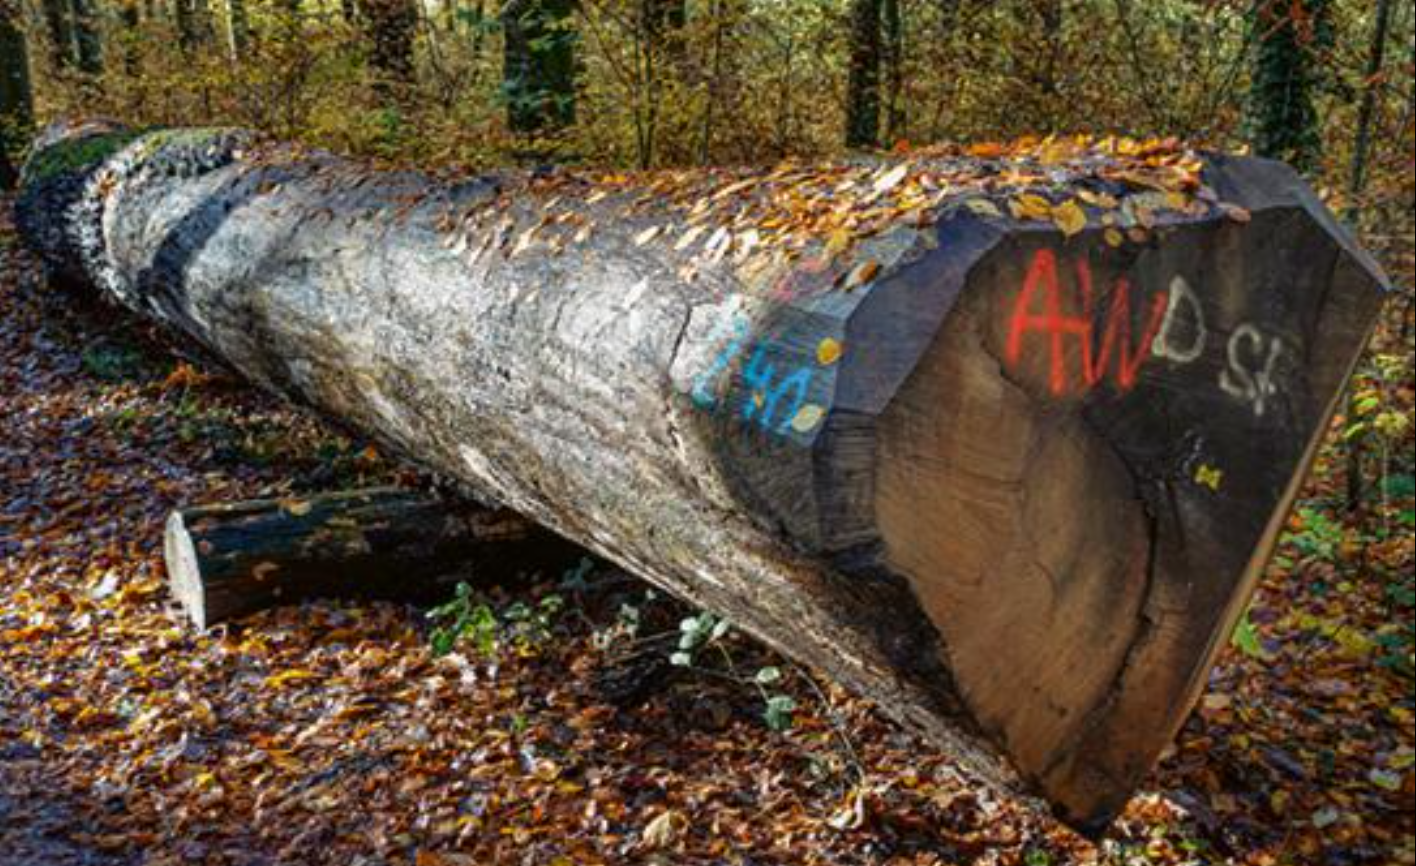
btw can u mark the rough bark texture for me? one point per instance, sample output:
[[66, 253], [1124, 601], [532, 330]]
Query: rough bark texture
[[229, 560], [1015, 484]]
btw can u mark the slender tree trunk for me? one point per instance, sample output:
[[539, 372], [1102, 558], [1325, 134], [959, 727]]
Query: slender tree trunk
[[238, 28], [87, 47], [130, 16], [863, 85], [59, 29], [16, 105], [193, 24], [390, 26], [894, 50], [715, 74], [664, 22], [1356, 444], [538, 70]]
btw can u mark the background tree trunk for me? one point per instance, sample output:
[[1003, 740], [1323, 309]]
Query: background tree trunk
[[538, 68], [1286, 75], [238, 28], [16, 101], [390, 26], [863, 82], [59, 28], [193, 19], [87, 42], [894, 54], [1356, 442]]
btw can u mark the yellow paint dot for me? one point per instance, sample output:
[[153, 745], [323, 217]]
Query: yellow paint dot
[[828, 351], [808, 417], [1209, 476]]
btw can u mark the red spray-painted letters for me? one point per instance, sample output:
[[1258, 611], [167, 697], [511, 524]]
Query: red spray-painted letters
[[1057, 324]]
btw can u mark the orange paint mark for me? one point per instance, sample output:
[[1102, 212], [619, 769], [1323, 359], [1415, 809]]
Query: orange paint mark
[[1042, 277]]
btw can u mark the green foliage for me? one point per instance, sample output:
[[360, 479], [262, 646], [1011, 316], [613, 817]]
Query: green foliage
[[114, 363], [466, 618], [703, 632], [1319, 537], [726, 82], [1246, 639]]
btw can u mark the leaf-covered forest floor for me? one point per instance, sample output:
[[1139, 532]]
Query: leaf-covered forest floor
[[330, 732]]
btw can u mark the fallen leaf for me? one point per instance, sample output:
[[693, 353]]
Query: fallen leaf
[[665, 830], [1069, 217]]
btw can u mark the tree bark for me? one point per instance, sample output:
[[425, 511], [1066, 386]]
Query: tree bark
[[894, 55], [538, 65], [1357, 182], [863, 81], [1015, 485], [193, 19], [87, 46], [238, 29], [390, 26], [59, 28], [230, 560], [16, 101], [1286, 73]]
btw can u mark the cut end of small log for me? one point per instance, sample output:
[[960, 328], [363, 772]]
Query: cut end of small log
[[1000, 437], [184, 574]]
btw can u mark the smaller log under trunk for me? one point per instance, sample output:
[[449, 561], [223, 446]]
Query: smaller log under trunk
[[229, 560]]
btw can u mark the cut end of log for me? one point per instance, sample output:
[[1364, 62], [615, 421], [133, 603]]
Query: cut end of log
[[1085, 474], [184, 571]]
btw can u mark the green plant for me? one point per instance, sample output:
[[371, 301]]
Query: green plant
[[1246, 639], [113, 363], [466, 617], [463, 618], [1319, 537], [706, 631]]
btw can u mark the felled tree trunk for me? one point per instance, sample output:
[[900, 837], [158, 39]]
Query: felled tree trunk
[[1001, 438], [229, 560]]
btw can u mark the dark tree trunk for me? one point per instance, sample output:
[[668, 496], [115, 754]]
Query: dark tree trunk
[[87, 44], [193, 19], [863, 81], [390, 26], [1356, 443], [58, 27], [894, 52], [229, 560], [16, 105], [130, 15], [538, 69], [1285, 80], [1016, 485], [664, 23]]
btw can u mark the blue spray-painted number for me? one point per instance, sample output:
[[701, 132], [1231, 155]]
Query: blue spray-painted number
[[764, 394]]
